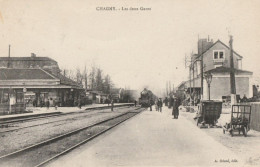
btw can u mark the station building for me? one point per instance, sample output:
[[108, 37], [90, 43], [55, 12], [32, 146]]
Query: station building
[[216, 60], [33, 80]]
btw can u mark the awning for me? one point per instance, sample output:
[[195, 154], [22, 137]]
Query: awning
[[40, 87]]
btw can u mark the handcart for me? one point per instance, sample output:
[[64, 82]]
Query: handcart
[[240, 120], [209, 112]]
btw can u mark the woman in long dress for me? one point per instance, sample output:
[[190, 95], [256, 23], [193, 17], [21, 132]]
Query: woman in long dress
[[175, 108]]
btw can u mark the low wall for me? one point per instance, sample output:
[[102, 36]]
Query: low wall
[[255, 115]]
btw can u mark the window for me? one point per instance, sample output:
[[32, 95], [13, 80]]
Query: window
[[218, 54], [221, 55], [215, 55]]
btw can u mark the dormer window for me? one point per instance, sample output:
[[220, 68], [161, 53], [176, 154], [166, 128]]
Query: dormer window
[[218, 54]]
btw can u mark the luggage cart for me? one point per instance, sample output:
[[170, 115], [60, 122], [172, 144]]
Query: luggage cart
[[209, 112], [240, 120]]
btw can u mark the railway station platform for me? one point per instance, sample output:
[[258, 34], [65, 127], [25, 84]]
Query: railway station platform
[[44, 111], [151, 138]]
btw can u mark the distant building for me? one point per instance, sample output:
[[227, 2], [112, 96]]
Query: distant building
[[216, 60], [97, 96]]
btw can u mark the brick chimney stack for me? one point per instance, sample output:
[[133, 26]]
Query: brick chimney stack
[[204, 44]]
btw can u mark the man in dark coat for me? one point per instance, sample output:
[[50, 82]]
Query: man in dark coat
[[175, 108], [166, 101], [159, 104], [151, 104], [170, 103], [112, 105], [79, 103]]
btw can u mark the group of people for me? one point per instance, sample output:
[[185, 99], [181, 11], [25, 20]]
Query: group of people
[[158, 105], [173, 102]]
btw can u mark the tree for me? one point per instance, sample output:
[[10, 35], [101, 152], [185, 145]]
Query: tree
[[85, 75], [69, 74], [92, 78], [79, 76], [107, 84], [99, 81]]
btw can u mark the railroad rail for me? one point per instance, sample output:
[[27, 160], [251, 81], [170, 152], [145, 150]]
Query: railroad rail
[[5, 121], [17, 121], [44, 152]]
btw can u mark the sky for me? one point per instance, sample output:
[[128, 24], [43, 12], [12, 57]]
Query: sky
[[136, 48]]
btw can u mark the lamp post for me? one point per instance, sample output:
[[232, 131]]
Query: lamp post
[[72, 97], [208, 77], [24, 102]]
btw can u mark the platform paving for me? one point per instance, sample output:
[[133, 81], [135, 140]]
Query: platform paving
[[152, 139]]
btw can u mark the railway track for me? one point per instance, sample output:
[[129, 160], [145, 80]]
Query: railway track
[[7, 121], [42, 153], [11, 123]]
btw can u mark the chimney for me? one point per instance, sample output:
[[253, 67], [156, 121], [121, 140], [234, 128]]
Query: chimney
[[204, 44], [33, 55], [9, 57]]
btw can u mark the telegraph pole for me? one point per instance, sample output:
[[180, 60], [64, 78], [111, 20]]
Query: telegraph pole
[[167, 88], [232, 73], [190, 66], [201, 73], [170, 86], [9, 53], [193, 82]]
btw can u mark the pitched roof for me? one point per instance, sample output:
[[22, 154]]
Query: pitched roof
[[66, 81], [227, 69], [223, 45], [23, 74], [181, 84], [26, 59], [35, 74]]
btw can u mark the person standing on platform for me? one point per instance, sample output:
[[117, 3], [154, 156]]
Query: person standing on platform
[[170, 102], [34, 102], [151, 104], [135, 103], [166, 101], [156, 105], [175, 108], [48, 104], [159, 103], [112, 105], [79, 103]]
